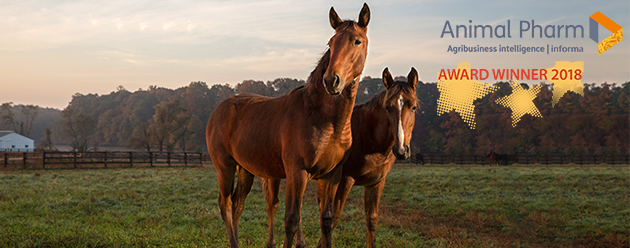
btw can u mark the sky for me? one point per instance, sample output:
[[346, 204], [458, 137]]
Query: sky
[[53, 49]]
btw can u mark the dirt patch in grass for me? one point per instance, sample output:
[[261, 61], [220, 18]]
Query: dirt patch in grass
[[477, 229], [469, 230]]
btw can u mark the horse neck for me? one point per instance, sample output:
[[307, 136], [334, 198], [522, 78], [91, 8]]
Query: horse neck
[[374, 114], [337, 109]]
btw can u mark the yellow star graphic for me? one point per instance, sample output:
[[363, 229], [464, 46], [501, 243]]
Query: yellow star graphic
[[572, 74], [521, 102], [459, 94]]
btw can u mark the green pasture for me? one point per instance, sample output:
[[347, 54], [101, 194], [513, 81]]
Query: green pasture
[[422, 206]]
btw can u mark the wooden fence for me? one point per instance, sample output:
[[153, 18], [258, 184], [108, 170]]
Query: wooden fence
[[68, 160], [521, 159]]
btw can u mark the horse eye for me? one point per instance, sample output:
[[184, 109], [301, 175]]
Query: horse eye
[[414, 108], [357, 42]]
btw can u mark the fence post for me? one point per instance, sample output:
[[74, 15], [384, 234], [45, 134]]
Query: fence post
[[130, 159], [24, 159], [44, 160], [185, 159], [105, 159], [200, 159], [546, 159], [168, 158], [6, 159], [527, 159], [151, 158], [74, 155]]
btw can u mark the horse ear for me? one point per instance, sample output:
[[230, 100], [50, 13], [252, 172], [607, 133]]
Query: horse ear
[[388, 81], [364, 16], [412, 78], [334, 18]]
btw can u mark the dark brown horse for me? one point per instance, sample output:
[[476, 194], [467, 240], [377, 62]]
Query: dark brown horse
[[299, 136], [492, 158], [419, 158], [381, 132], [497, 159]]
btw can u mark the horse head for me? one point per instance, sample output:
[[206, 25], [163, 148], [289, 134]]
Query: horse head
[[348, 50], [401, 103]]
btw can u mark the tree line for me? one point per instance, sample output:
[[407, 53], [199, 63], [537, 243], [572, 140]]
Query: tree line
[[161, 119]]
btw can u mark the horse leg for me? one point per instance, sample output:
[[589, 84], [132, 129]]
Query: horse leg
[[243, 186], [326, 190], [300, 241], [225, 177], [296, 184], [340, 198], [372, 197], [270, 189]]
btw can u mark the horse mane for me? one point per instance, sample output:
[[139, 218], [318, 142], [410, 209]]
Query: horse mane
[[317, 75]]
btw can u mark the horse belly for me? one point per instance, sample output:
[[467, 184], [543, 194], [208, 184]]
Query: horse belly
[[258, 154], [369, 169]]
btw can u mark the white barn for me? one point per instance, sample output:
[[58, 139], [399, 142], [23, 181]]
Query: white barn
[[13, 142]]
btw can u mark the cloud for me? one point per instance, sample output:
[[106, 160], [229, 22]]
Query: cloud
[[170, 42]]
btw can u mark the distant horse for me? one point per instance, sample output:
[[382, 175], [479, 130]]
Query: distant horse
[[381, 132], [496, 159], [299, 136], [419, 158]]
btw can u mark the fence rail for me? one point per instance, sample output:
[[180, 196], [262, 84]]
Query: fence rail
[[521, 159], [67, 160]]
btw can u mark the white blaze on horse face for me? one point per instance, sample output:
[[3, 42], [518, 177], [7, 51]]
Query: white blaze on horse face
[[401, 133]]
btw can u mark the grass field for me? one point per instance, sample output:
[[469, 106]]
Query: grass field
[[437, 206]]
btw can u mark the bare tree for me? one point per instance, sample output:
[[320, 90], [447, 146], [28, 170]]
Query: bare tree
[[21, 125], [47, 145], [29, 112], [183, 136], [142, 138], [169, 118], [7, 116], [77, 127]]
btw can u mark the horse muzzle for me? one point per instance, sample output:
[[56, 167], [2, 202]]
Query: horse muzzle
[[334, 84], [402, 153]]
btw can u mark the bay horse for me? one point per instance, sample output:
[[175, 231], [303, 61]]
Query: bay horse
[[300, 136], [381, 132], [497, 159], [419, 158], [492, 158]]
